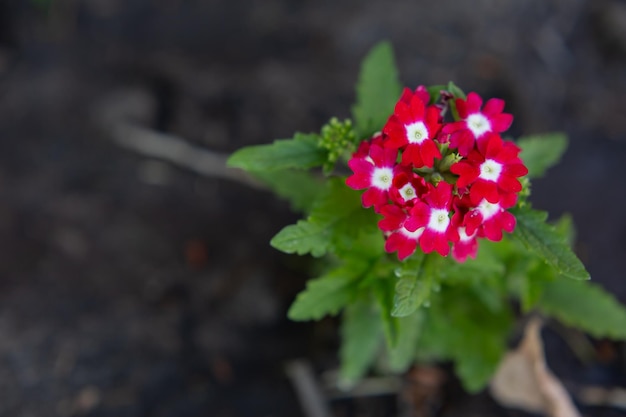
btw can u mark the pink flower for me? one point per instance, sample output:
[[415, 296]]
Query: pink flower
[[491, 170], [400, 239], [375, 173], [475, 124], [406, 188], [412, 127], [433, 214], [465, 245], [489, 219]]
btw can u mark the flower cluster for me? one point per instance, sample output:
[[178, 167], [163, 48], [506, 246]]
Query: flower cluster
[[438, 183]]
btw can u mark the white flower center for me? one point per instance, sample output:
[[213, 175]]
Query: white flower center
[[412, 235], [487, 209], [478, 124], [416, 132], [490, 170], [407, 192], [382, 177], [439, 220], [464, 236]]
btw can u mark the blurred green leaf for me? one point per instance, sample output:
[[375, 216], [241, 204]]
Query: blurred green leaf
[[584, 305], [540, 152], [300, 188], [361, 337], [301, 152], [377, 90], [327, 294], [537, 235]]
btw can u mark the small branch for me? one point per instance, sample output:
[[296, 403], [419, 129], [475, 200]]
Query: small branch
[[309, 392]]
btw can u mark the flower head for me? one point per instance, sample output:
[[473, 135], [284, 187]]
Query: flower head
[[375, 173], [476, 123], [455, 180], [412, 128], [492, 170]]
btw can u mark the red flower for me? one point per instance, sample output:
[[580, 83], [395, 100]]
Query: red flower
[[433, 214], [412, 127], [491, 170], [400, 239], [407, 187], [489, 219], [475, 124], [465, 245], [374, 172]]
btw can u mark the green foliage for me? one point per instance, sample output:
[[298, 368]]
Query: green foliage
[[338, 138], [335, 215], [403, 353], [360, 334], [414, 286], [300, 188], [378, 89], [542, 238], [426, 307], [584, 305], [301, 152], [327, 294], [540, 152], [459, 326]]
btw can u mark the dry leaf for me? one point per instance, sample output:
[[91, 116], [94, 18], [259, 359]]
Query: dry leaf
[[524, 381]]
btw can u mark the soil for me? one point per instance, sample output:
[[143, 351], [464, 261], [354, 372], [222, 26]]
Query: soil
[[133, 287]]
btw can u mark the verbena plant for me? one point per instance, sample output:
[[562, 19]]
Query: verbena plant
[[442, 185]]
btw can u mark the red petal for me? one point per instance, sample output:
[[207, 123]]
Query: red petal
[[417, 108], [359, 181], [407, 248], [394, 218], [423, 94], [429, 151], [412, 155], [406, 95], [441, 196], [501, 122], [474, 102], [493, 107], [468, 173], [418, 217], [509, 184], [441, 245], [507, 221], [493, 145], [484, 189], [515, 170], [427, 241], [403, 113]]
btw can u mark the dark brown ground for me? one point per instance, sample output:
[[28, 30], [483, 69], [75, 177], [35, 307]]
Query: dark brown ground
[[130, 287]]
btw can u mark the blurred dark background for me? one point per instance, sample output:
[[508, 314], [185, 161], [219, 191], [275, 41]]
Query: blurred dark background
[[131, 286]]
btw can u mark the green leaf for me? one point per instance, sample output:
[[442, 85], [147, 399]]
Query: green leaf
[[414, 286], [456, 91], [336, 215], [383, 290], [460, 327], [435, 92], [402, 355], [301, 152], [361, 337], [378, 89], [540, 152], [537, 235], [300, 188], [584, 305], [302, 238], [327, 294]]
